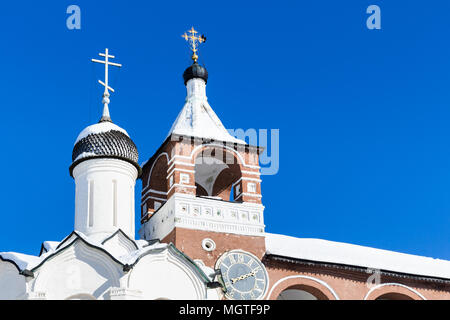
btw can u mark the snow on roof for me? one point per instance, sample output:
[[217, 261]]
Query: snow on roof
[[197, 119], [84, 155], [141, 243], [355, 255], [29, 262], [48, 246], [123, 259], [22, 261], [99, 128]]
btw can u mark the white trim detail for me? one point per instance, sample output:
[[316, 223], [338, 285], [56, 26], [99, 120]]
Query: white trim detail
[[394, 284], [184, 178], [179, 157], [303, 277], [158, 192], [154, 191], [154, 198], [181, 163], [181, 185], [254, 195], [251, 187], [179, 170], [246, 179], [241, 159], [251, 172], [190, 212]]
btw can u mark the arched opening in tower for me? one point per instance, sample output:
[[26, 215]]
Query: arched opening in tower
[[216, 172]]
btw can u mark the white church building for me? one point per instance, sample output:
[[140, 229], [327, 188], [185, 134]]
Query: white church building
[[202, 233]]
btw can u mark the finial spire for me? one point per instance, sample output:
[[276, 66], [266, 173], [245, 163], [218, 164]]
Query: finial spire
[[106, 95], [194, 41]]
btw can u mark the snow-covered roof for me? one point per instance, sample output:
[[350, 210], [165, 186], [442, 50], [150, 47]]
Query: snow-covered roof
[[354, 255], [29, 262], [48, 245], [100, 127], [22, 261], [200, 121], [104, 140], [197, 118], [118, 246]]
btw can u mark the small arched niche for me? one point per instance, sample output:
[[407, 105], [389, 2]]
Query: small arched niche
[[216, 170], [393, 291], [394, 296], [301, 292]]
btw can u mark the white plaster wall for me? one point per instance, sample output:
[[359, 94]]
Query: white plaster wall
[[104, 196], [119, 245], [12, 284], [78, 271], [162, 276], [196, 88]]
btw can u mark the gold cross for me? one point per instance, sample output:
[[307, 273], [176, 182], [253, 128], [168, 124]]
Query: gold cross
[[194, 41]]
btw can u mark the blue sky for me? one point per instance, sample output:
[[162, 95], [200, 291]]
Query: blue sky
[[363, 114]]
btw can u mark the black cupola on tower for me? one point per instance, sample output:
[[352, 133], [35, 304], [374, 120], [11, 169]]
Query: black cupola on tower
[[195, 71]]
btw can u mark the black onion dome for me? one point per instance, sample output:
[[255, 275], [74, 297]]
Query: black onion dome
[[105, 144], [195, 71]]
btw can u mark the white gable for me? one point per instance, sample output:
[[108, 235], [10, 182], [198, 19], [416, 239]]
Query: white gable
[[116, 267]]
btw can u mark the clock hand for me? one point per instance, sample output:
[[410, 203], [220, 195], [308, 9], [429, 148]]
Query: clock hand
[[245, 276], [236, 279]]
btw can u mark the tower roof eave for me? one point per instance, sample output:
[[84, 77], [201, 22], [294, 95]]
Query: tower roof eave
[[197, 119]]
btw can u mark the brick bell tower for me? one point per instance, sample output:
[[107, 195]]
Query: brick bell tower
[[201, 190]]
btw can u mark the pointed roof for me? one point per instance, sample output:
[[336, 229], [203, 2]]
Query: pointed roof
[[197, 119]]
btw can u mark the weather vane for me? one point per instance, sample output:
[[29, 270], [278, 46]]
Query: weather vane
[[105, 101], [194, 41]]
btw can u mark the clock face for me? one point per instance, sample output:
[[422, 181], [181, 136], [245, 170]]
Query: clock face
[[244, 276]]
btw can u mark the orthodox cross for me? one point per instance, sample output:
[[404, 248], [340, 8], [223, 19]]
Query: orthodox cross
[[194, 41], [105, 101]]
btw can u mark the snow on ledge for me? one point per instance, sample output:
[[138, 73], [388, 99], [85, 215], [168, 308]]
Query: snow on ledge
[[355, 255], [99, 128]]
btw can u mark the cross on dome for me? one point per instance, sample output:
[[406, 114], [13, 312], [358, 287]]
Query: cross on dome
[[194, 41], [105, 101]]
